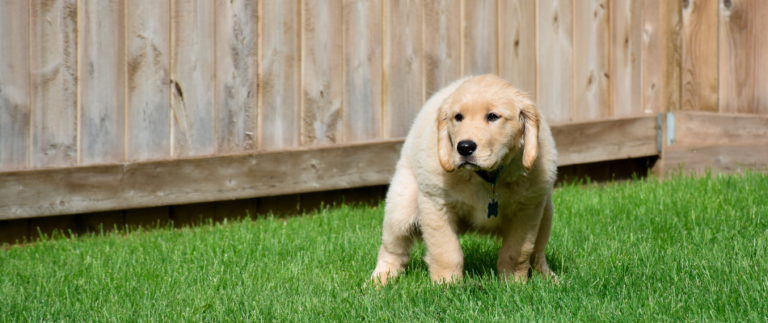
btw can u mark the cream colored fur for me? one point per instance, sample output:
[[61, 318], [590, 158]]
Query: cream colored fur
[[435, 194]]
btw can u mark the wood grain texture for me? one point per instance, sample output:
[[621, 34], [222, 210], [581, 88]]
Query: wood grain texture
[[323, 73], [480, 43], [102, 81], [237, 75], [281, 74], [626, 57], [761, 59], [591, 60], [661, 56], [442, 44], [14, 85], [148, 184], [727, 158], [403, 61], [192, 77], [712, 128], [363, 70], [53, 64], [739, 30], [606, 139], [148, 109], [661, 50], [554, 30], [517, 44], [699, 60]]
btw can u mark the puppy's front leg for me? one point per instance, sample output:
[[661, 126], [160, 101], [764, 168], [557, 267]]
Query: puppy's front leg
[[444, 255], [519, 238]]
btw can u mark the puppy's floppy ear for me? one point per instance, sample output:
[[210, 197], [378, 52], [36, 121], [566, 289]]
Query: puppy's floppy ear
[[444, 144], [529, 119]]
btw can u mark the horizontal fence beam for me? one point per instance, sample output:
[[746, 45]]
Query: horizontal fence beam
[[606, 139], [74, 190], [714, 141]]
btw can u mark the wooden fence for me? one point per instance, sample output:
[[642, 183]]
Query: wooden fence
[[118, 104]]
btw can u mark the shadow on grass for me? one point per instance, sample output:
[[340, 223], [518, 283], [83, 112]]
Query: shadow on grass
[[480, 257]]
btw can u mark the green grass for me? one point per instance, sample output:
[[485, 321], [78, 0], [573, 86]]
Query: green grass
[[685, 249]]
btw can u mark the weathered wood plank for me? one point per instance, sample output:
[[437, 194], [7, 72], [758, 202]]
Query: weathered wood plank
[[607, 139], [237, 75], [280, 78], [323, 79], [102, 77], [761, 59], [148, 184], [363, 70], [554, 30], [718, 158], [148, 123], [517, 44], [652, 60], [403, 63], [591, 50], [192, 77], [699, 59], [712, 128], [626, 57], [442, 44], [738, 33], [480, 32], [53, 64], [14, 85], [661, 49]]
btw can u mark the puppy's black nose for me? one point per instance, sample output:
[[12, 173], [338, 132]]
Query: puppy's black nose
[[466, 147]]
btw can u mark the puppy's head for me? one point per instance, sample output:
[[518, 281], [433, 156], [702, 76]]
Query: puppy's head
[[484, 123]]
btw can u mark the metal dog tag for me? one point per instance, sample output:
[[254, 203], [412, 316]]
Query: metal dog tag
[[493, 208]]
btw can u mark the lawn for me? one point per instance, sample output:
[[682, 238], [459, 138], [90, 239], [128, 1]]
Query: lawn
[[685, 249]]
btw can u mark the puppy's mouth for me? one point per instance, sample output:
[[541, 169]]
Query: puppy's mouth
[[469, 165]]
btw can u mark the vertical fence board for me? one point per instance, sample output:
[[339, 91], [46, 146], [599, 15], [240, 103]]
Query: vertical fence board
[[53, 64], [192, 79], [236, 75], [148, 129], [14, 84], [652, 58], [281, 77], [761, 58], [626, 57], [363, 70], [591, 60], [403, 95], [737, 36], [442, 44], [554, 30], [662, 64], [323, 71], [517, 44], [480, 31], [102, 79], [700, 55]]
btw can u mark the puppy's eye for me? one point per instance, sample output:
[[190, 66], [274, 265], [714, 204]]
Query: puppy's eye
[[491, 117], [459, 117]]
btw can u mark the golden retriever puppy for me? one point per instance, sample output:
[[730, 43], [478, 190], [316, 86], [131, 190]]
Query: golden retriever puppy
[[478, 157]]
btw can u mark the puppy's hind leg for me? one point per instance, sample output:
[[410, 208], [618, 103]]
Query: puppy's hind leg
[[400, 220]]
